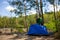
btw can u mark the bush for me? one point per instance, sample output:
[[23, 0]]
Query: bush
[[51, 26]]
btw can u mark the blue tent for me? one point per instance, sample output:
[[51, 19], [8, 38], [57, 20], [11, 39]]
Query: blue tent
[[36, 29]]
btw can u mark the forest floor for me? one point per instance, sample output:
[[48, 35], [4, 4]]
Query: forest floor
[[25, 37]]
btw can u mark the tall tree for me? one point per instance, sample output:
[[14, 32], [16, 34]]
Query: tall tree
[[21, 8], [53, 2], [37, 6], [41, 8], [25, 22]]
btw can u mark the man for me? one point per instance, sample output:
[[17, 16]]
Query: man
[[39, 21]]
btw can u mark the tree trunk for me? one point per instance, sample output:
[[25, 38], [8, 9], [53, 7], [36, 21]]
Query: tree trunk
[[37, 8], [55, 16], [41, 5], [25, 24]]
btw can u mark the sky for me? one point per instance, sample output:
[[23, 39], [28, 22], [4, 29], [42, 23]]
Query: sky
[[5, 8]]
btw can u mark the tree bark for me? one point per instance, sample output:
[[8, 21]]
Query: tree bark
[[25, 24], [41, 5], [55, 16], [37, 8]]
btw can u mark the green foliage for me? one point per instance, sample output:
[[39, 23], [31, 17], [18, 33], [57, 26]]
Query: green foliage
[[20, 30], [49, 21], [58, 21], [51, 26], [58, 25], [18, 22]]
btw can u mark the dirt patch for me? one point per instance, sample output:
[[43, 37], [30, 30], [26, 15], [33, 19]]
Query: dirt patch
[[24, 37]]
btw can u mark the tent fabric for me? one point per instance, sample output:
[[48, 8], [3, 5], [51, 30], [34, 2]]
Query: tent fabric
[[36, 29]]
